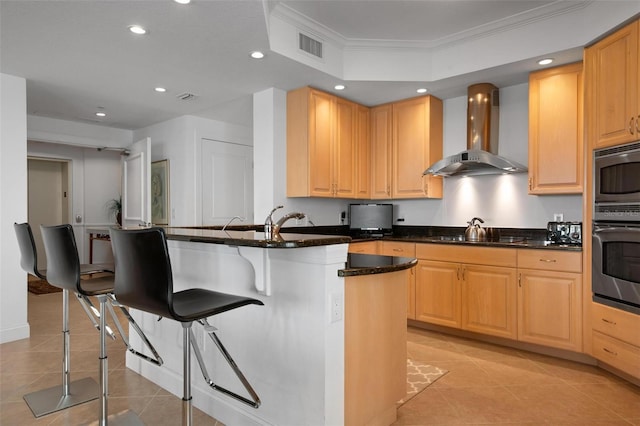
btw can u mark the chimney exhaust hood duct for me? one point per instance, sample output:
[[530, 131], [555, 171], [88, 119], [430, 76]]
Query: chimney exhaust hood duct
[[481, 156]]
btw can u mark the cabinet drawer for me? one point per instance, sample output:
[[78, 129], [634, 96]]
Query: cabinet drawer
[[616, 353], [550, 260], [395, 248], [491, 256], [364, 247], [616, 323]]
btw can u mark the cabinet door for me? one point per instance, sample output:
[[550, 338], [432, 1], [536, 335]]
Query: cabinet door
[[345, 149], [395, 248], [364, 247], [556, 148], [381, 129], [612, 64], [363, 153], [321, 140], [438, 293], [489, 300], [550, 309], [417, 143]]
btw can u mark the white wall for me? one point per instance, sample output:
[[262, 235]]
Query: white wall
[[13, 206], [501, 200], [180, 141]]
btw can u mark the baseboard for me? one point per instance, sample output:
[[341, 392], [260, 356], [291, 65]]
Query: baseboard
[[15, 333]]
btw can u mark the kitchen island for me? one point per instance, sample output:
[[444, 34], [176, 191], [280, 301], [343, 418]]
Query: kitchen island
[[297, 350]]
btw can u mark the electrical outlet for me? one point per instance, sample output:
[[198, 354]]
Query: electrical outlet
[[558, 217], [336, 307]]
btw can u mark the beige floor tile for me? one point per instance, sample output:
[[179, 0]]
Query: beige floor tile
[[486, 384]]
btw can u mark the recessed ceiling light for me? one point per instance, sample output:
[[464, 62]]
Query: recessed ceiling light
[[421, 90], [257, 54], [545, 61], [137, 29], [182, 1], [101, 114], [160, 89], [339, 87]]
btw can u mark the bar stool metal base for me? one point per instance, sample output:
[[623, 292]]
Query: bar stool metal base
[[50, 400], [124, 418]]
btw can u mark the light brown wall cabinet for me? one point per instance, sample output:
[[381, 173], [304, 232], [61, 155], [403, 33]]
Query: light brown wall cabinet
[[337, 148], [556, 142], [613, 67], [381, 136], [406, 138], [416, 144], [550, 298], [322, 145], [470, 288]]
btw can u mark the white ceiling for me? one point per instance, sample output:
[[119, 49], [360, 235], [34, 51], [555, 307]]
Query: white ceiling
[[78, 56]]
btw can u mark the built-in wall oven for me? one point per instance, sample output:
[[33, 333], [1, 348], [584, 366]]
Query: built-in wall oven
[[616, 227]]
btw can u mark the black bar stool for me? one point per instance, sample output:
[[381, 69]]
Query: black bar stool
[[63, 270], [144, 281], [47, 401]]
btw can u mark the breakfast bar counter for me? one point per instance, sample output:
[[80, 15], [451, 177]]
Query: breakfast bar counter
[[306, 349]]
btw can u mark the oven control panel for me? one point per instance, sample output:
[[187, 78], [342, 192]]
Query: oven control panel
[[565, 233]]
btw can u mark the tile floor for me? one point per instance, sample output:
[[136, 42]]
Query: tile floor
[[486, 384]]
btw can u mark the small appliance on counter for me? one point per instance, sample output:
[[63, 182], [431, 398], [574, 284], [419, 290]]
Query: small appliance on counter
[[370, 220], [566, 233]]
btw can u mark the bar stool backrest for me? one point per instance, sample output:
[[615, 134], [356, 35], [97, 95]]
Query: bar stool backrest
[[28, 253], [63, 263], [144, 277]]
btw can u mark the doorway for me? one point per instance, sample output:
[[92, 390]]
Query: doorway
[[48, 197]]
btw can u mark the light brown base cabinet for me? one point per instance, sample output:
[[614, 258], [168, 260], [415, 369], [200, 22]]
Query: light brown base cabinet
[[550, 298], [471, 288], [616, 338], [375, 333], [532, 296]]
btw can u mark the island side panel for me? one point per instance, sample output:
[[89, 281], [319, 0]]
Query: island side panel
[[375, 347], [289, 350]]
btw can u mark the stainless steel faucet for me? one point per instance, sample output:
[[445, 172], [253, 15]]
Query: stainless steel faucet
[[268, 224], [272, 230], [293, 215]]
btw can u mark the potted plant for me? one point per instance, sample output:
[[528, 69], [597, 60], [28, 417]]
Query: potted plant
[[114, 207]]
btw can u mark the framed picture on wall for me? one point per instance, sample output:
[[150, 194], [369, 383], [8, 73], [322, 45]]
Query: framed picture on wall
[[160, 192]]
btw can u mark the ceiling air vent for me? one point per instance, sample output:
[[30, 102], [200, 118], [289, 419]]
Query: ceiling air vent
[[186, 96], [310, 45]]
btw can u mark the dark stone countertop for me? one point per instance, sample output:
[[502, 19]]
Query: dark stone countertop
[[368, 264], [252, 238]]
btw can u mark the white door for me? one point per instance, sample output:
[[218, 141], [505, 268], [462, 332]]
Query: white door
[[136, 185], [227, 182]]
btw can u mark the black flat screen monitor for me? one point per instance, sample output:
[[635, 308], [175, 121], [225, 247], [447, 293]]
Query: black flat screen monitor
[[371, 218]]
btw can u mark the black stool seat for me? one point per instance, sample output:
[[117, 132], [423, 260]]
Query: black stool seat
[[196, 303]]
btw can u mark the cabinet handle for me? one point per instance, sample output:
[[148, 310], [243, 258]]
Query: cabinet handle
[[609, 321], [548, 260], [631, 126], [637, 120], [463, 271], [520, 280], [610, 351], [530, 184], [398, 250], [388, 190], [458, 274]]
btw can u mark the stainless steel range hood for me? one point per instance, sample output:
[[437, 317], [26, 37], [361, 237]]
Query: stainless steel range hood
[[481, 157]]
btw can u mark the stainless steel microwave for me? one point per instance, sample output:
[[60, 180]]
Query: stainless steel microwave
[[617, 183]]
